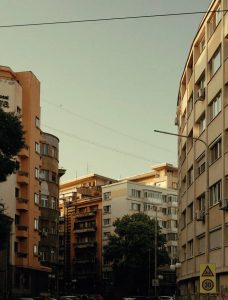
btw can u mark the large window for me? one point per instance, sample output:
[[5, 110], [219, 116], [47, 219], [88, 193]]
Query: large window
[[106, 222], [215, 239], [44, 200], [107, 209], [216, 193], [135, 193], [190, 249], [44, 175], [216, 151], [45, 149], [215, 62], [200, 165], [201, 244], [107, 195], [36, 224], [190, 176], [215, 107], [135, 206]]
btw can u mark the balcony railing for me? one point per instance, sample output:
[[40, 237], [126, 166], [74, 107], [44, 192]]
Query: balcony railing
[[85, 229], [22, 204], [22, 231], [23, 177]]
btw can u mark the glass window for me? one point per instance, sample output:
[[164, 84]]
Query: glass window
[[202, 44], [37, 122], [107, 195], [35, 249], [135, 206], [107, 209], [215, 62], [216, 151], [45, 149], [36, 224], [135, 193], [190, 176], [200, 165], [190, 249], [37, 173], [202, 123], [36, 198], [106, 222], [54, 203], [215, 239], [37, 147], [215, 107], [44, 175], [44, 200], [216, 193], [201, 244]]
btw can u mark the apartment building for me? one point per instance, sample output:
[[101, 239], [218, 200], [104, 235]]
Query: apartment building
[[80, 232], [20, 92], [141, 194], [202, 116]]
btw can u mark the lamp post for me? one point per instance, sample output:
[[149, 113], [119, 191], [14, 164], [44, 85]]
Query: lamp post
[[206, 188]]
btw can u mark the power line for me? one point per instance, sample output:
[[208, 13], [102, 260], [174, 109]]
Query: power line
[[100, 145], [106, 127], [111, 19]]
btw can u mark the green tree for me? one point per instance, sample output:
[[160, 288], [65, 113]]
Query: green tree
[[11, 142], [131, 251]]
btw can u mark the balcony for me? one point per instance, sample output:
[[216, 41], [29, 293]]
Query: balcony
[[85, 229], [85, 245], [85, 214], [92, 191], [23, 177], [22, 204], [24, 153], [22, 231]]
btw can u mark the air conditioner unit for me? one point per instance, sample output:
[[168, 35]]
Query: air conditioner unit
[[201, 94], [200, 215], [223, 204]]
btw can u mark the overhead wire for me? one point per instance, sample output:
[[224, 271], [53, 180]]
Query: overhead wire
[[111, 19], [105, 127], [99, 145]]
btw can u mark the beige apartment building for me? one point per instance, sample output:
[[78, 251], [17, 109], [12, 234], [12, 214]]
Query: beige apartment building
[[202, 116], [153, 193], [20, 193]]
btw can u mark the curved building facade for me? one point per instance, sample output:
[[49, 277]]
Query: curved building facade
[[202, 116]]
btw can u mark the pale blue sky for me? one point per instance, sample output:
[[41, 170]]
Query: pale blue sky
[[122, 74]]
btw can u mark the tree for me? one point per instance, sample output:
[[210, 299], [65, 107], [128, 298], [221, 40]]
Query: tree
[[11, 142], [131, 251]]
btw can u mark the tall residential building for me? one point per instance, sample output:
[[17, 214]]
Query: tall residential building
[[202, 115], [142, 193], [80, 232], [20, 92]]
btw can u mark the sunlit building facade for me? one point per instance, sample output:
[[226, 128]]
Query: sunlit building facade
[[202, 116]]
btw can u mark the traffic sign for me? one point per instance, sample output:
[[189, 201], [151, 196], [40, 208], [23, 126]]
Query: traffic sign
[[207, 279]]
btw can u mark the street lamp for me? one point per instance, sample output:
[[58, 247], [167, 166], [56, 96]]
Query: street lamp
[[207, 185]]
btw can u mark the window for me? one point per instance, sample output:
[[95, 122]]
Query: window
[[53, 177], [36, 224], [216, 151], [35, 249], [37, 121], [135, 206], [201, 244], [44, 200], [54, 152], [183, 219], [214, 21], [215, 62], [36, 198], [37, 147], [215, 238], [107, 196], [190, 105], [216, 193], [106, 222], [45, 149], [215, 107], [107, 209], [152, 194], [190, 140], [202, 44], [135, 193], [202, 123], [200, 165], [44, 175], [190, 249], [190, 212], [37, 173], [190, 176], [183, 253], [201, 202], [183, 153], [54, 203]]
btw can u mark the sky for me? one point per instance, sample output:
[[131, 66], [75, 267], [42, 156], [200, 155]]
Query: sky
[[105, 86]]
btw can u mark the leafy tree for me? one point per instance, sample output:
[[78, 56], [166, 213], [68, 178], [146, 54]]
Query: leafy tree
[[11, 142], [131, 251]]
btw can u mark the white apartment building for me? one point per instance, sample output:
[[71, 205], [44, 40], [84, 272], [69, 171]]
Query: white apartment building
[[128, 197]]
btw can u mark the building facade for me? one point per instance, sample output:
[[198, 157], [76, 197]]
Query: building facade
[[20, 193], [126, 198], [80, 232], [202, 116]]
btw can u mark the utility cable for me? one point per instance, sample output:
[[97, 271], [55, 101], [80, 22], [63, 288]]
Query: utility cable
[[106, 127], [99, 145], [112, 19]]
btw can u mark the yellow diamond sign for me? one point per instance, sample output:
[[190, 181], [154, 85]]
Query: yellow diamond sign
[[207, 279]]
